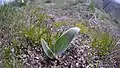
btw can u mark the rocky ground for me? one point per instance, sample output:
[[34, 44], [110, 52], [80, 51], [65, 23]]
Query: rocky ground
[[79, 53], [76, 56]]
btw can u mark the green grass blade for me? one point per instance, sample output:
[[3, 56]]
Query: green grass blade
[[64, 40], [46, 49]]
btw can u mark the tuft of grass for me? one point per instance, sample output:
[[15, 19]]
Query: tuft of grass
[[11, 20], [35, 28], [33, 33], [103, 42], [59, 24], [83, 27], [11, 55], [92, 6]]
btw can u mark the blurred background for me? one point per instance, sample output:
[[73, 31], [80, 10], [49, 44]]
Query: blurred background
[[109, 6]]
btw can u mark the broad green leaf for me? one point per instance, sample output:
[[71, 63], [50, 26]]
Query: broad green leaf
[[64, 40], [46, 49]]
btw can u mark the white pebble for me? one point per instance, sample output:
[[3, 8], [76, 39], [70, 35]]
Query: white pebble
[[77, 64], [0, 43], [37, 58]]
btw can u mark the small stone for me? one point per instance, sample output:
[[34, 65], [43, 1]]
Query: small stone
[[65, 64], [77, 64], [81, 50], [48, 1], [37, 58], [28, 51], [79, 59], [56, 61], [0, 43], [75, 56], [85, 55], [12, 50], [24, 56], [71, 57]]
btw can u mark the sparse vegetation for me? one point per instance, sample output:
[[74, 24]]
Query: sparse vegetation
[[59, 24], [11, 55], [10, 24], [102, 42], [33, 33], [92, 6], [83, 27], [26, 26]]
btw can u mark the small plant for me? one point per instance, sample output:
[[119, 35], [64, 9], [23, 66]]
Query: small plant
[[33, 33], [11, 54], [59, 24], [61, 43], [92, 6], [103, 43], [35, 28], [84, 28]]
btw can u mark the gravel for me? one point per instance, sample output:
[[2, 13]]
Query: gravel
[[74, 57], [79, 53]]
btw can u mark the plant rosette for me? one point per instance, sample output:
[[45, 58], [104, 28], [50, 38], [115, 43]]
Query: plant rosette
[[61, 44]]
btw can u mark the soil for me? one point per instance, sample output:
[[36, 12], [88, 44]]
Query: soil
[[79, 52], [76, 56]]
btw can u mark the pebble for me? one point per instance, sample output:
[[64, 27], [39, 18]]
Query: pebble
[[0, 43], [24, 56], [37, 58], [77, 64]]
